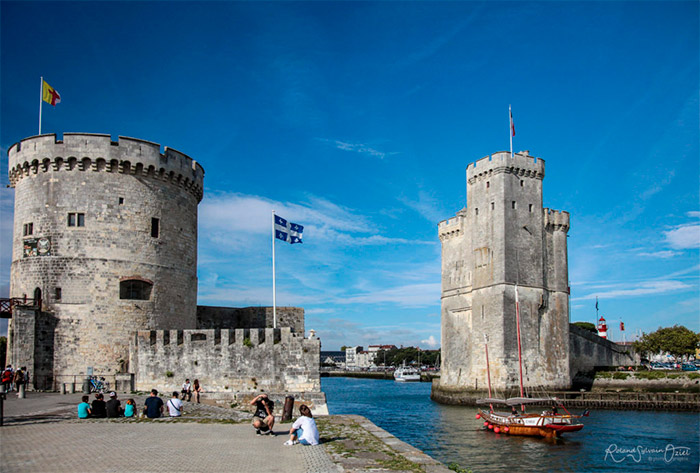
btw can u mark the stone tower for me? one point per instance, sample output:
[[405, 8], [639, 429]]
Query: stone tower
[[503, 238], [105, 235]]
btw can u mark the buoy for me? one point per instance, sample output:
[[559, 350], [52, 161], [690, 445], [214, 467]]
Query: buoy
[[506, 429], [491, 426], [486, 423], [478, 416], [496, 429]]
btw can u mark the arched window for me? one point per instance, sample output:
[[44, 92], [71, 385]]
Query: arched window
[[135, 289]]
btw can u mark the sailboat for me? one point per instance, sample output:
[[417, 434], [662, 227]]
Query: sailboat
[[549, 424]]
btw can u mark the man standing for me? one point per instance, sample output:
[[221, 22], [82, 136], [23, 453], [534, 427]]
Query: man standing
[[263, 420], [114, 406], [154, 405], [175, 405]]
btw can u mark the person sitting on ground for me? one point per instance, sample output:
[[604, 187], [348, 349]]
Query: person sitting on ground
[[154, 405], [84, 410], [304, 430], [175, 405], [130, 408], [196, 390], [99, 406], [263, 420], [114, 406], [187, 390]]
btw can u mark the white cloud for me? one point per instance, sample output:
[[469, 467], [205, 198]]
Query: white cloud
[[684, 237], [693, 214], [431, 342], [228, 219]]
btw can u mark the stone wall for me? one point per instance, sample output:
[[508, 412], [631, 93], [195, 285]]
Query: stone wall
[[590, 352], [209, 317], [227, 361]]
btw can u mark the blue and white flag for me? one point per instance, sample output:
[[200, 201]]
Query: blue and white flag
[[287, 231]]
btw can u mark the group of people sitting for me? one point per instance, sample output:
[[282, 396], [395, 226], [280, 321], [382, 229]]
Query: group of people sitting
[[153, 408], [99, 409], [303, 430], [188, 390]]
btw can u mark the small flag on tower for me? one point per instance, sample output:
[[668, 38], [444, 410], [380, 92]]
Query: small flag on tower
[[622, 326], [512, 125], [49, 94], [287, 231]]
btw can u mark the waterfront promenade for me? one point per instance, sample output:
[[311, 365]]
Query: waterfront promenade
[[41, 433]]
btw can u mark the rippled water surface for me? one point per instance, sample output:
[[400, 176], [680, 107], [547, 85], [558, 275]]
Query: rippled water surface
[[628, 441]]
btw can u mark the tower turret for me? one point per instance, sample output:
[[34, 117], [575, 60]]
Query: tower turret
[[106, 233]]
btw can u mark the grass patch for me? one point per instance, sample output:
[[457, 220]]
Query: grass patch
[[620, 375], [650, 375], [603, 374]]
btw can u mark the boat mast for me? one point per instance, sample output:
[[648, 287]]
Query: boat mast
[[520, 353], [488, 369]]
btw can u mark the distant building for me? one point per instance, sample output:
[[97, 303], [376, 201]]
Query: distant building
[[356, 358]]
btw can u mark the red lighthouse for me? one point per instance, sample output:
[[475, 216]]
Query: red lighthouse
[[602, 328]]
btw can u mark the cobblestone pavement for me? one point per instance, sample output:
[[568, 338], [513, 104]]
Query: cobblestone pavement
[[42, 434]]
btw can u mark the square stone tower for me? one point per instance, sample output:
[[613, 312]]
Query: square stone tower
[[504, 239]]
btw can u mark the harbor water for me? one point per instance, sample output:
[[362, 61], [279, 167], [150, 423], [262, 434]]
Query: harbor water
[[610, 441]]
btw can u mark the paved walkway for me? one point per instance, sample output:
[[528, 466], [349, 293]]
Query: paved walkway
[[42, 434]]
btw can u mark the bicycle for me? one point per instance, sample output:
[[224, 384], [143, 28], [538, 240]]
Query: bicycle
[[97, 385]]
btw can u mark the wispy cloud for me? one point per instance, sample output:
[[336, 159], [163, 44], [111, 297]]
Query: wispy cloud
[[411, 295], [426, 205], [664, 254], [639, 289], [360, 148]]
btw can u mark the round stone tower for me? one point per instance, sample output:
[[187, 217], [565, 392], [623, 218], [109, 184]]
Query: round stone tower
[[105, 235]]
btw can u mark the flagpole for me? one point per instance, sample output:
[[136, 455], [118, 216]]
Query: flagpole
[[510, 130], [41, 98], [274, 289]]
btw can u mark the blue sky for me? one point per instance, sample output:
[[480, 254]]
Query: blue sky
[[358, 119]]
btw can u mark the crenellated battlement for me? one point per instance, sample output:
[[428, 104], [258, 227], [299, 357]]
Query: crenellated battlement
[[521, 164], [556, 219], [97, 152], [237, 360], [249, 338], [452, 227]]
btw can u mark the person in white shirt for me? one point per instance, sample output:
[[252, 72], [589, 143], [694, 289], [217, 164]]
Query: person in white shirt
[[175, 405], [186, 390], [304, 430]]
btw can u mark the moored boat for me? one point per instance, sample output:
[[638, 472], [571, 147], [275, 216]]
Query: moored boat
[[548, 424], [406, 373]]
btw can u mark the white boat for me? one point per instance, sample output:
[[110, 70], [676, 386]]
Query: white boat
[[406, 373]]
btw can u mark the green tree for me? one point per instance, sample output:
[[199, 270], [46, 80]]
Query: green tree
[[676, 340], [586, 326]]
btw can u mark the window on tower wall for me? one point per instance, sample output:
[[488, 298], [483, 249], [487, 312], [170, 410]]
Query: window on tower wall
[[76, 219], [135, 289], [28, 229], [155, 227]]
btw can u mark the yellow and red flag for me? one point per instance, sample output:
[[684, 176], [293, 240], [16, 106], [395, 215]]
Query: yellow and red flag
[[50, 95]]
